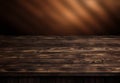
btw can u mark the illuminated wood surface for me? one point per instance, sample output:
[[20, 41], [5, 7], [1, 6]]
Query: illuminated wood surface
[[60, 55]]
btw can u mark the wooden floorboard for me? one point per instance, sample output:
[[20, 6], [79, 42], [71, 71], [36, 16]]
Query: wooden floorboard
[[60, 55]]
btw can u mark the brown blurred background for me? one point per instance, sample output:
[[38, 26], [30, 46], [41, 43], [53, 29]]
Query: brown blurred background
[[59, 17]]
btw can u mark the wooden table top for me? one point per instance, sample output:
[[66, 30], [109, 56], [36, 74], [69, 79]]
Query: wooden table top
[[59, 55]]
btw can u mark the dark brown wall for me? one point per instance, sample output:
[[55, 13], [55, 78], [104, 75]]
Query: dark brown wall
[[60, 17]]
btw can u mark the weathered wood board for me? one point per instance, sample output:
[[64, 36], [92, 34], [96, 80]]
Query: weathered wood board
[[60, 55]]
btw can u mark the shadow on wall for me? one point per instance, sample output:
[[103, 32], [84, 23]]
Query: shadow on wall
[[60, 17]]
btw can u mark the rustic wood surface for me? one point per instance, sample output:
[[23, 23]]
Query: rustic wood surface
[[60, 55]]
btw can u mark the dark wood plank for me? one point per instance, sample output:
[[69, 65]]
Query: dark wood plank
[[60, 55]]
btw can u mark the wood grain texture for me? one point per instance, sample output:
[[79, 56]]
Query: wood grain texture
[[60, 55]]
